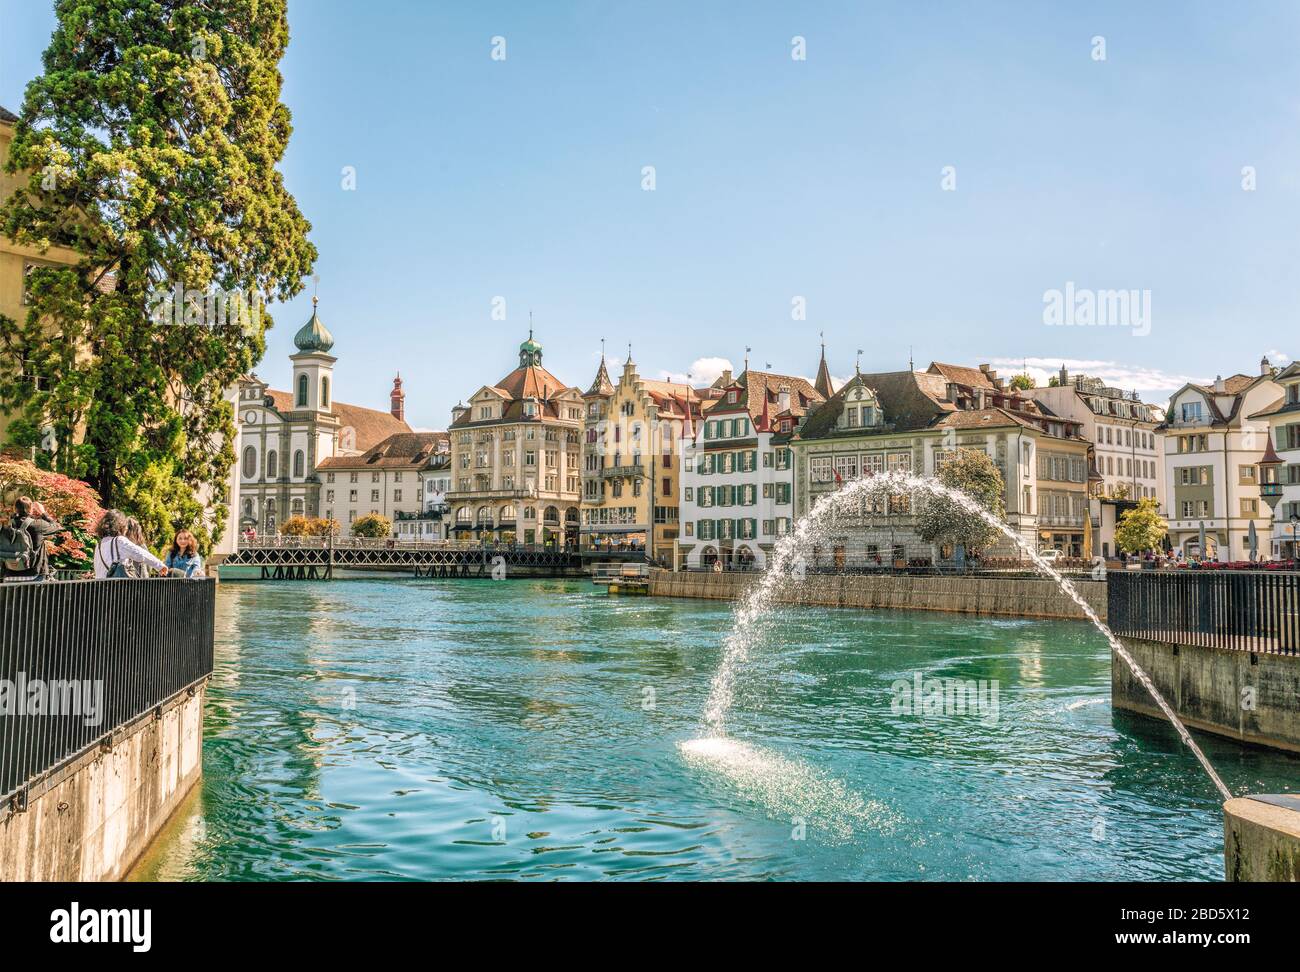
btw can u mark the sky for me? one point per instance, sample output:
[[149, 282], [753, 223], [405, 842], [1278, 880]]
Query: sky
[[918, 184]]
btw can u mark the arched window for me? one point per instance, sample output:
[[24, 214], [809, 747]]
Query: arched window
[[297, 507], [302, 391], [464, 515], [507, 513], [250, 463], [324, 392], [485, 515], [298, 459], [272, 465], [248, 508]]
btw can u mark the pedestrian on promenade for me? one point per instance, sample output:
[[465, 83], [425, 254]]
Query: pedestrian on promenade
[[23, 556], [183, 559], [135, 533], [115, 551]]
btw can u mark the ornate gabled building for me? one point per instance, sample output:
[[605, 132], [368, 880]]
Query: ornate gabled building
[[632, 462], [286, 435], [515, 458], [737, 496], [914, 421]]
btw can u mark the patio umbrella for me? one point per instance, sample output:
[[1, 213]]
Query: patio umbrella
[[1087, 537], [1252, 541], [1202, 542]]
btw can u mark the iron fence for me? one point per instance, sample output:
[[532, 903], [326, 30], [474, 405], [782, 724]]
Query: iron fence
[[1244, 610], [81, 659]]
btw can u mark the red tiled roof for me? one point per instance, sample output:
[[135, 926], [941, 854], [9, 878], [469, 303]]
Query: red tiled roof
[[403, 450], [961, 375], [370, 425]]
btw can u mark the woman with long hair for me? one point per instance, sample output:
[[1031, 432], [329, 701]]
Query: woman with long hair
[[183, 558], [115, 551]]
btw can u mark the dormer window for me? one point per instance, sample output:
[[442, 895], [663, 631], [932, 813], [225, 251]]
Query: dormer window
[[731, 397]]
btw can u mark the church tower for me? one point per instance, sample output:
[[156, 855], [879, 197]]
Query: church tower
[[313, 366]]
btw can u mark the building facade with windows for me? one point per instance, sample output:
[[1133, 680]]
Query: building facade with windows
[[285, 435], [737, 485], [1121, 428], [516, 449], [1212, 449], [386, 479], [913, 422], [433, 520], [632, 460], [1283, 418]]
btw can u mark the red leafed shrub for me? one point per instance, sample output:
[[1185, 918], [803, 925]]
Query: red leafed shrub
[[70, 501]]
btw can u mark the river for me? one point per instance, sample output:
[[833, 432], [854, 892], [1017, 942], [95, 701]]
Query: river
[[417, 730]]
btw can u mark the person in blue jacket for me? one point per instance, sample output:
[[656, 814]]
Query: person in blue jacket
[[183, 559]]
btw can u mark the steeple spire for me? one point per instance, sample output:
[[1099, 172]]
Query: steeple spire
[[823, 382]]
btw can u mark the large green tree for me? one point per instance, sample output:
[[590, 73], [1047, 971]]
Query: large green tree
[[941, 520], [151, 140]]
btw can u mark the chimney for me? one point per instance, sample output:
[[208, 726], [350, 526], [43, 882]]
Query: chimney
[[725, 379], [1220, 386], [1265, 368], [397, 399]]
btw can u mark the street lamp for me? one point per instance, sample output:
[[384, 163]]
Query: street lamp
[[1270, 486], [1295, 554]]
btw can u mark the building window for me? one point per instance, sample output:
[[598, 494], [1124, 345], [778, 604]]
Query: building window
[[298, 460], [302, 391], [272, 465], [324, 392], [250, 462]]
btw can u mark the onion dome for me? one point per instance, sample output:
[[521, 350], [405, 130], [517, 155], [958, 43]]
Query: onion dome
[[313, 336]]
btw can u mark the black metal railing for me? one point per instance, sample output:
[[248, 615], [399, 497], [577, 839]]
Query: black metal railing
[[80, 659], [1244, 610]]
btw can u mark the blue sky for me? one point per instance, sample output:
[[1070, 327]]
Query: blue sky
[[776, 179]]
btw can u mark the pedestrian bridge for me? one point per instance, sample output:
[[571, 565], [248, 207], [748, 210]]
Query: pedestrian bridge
[[319, 558]]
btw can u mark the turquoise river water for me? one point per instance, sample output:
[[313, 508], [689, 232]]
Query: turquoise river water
[[399, 729]]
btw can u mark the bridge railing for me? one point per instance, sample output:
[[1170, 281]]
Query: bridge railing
[[1242, 610], [390, 543], [81, 659]]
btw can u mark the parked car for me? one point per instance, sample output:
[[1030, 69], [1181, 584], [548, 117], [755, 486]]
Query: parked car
[[1051, 556]]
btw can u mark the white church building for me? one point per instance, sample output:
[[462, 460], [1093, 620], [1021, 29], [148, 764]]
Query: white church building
[[285, 435]]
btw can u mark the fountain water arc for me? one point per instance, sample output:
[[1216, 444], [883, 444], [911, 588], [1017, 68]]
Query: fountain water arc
[[786, 561]]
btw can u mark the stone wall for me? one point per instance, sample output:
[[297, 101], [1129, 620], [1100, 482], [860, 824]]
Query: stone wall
[[1024, 597], [1242, 695], [91, 819], [1261, 841]]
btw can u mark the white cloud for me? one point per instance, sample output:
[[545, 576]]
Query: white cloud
[[1280, 358], [704, 371], [1145, 381]]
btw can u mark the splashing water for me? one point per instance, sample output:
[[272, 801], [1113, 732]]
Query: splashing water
[[790, 789], [753, 611]]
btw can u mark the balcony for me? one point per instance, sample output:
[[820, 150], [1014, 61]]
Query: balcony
[[635, 471], [1070, 520]]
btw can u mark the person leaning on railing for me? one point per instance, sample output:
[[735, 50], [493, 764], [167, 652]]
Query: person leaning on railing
[[114, 551]]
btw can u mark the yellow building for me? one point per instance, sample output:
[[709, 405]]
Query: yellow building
[[632, 450], [16, 261]]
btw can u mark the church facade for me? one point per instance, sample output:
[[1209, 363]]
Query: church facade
[[285, 436]]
